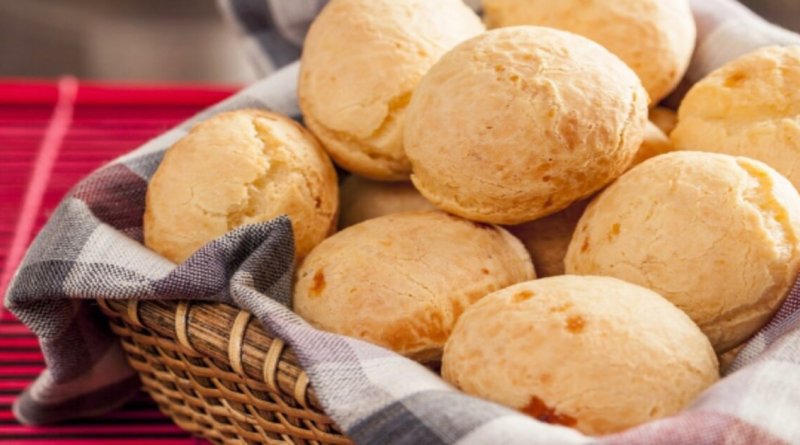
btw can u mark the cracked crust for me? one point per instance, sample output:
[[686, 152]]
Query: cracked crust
[[361, 61], [402, 280], [548, 238], [748, 107], [606, 353], [715, 234], [553, 117], [664, 31], [239, 168]]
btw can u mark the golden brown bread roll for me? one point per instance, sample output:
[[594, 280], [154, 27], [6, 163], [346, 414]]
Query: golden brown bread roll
[[664, 118], [717, 235], [593, 353], [547, 239], [518, 123], [238, 168], [654, 37], [655, 143], [748, 107], [361, 61], [401, 281], [362, 199]]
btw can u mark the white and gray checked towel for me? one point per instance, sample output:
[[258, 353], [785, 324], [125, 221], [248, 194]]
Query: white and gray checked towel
[[91, 248]]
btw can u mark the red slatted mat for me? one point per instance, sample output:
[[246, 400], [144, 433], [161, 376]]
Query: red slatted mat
[[51, 135]]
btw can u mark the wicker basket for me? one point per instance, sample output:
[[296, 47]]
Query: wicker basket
[[218, 374]]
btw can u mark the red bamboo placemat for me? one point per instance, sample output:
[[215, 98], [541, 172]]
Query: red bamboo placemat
[[51, 135]]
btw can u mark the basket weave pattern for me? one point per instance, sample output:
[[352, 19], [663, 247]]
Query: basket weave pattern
[[218, 374]]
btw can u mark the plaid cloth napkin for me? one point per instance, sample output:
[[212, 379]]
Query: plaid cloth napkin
[[91, 248]]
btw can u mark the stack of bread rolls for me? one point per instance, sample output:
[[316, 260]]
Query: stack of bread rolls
[[478, 160]]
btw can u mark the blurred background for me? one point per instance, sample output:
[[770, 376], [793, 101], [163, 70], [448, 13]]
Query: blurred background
[[157, 40], [140, 40], [783, 12]]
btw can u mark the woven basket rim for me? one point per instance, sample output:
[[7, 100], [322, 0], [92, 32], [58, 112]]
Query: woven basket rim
[[224, 333]]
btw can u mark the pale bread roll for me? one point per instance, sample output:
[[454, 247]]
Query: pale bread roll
[[593, 353], [361, 61], [748, 107], [655, 143], [362, 199], [238, 168], [547, 239], [654, 37], [716, 235], [664, 118], [519, 122], [401, 281]]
